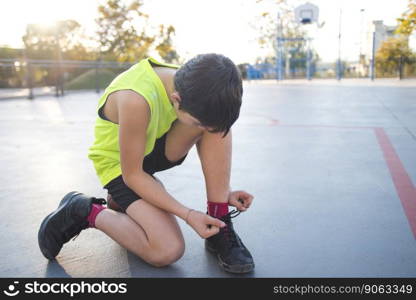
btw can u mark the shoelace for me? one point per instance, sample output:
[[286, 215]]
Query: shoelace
[[98, 200], [95, 201], [230, 233]]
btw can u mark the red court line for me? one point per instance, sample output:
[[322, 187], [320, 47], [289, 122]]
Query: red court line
[[404, 186], [318, 126], [272, 121], [402, 182]]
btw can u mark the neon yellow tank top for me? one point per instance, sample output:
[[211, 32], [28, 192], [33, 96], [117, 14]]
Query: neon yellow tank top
[[141, 78]]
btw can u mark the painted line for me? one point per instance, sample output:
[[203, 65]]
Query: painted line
[[320, 126], [405, 189], [271, 121], [404, 186]]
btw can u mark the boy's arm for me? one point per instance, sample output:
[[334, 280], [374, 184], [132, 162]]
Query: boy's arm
[[134, 117], [215, 153]]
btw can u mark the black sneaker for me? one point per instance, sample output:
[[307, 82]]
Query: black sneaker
[[232, 255], [65, 222]]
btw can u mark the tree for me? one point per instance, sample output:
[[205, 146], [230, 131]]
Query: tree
[[124, 33], [165, 47], [61, 40], [10, 75], [281, 23], [45, 41], [408, 21], [118, 33], [392, 55]]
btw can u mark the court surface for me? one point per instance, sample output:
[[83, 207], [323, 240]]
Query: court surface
[[332, 166]]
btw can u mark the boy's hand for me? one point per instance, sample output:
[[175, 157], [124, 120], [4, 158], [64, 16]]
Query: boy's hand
[[240, 199], [204, 224]]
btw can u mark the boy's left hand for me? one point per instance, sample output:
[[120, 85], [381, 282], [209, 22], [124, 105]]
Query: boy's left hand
[[240, 199]]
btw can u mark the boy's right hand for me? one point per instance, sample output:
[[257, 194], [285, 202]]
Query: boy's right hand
[[205, 225]]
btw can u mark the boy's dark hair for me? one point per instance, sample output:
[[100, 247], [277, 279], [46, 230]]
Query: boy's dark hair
[[210, 88]]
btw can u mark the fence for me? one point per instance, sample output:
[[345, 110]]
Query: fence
[[30, 78], [293, 70]]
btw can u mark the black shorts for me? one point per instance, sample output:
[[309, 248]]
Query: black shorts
[[155, 161]]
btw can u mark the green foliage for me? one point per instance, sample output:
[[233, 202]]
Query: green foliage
[[165, 47], [88, 80], [392, 54], [407, 23], [269, 26], [60, 38], [6, 52], [10, 76], [123, 33], [118, 35]]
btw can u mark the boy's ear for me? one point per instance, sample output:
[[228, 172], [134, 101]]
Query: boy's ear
[[175, 95], [176, 99]]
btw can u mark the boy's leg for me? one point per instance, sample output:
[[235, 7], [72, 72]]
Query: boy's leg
[[156, 238], [113, 204], [160, 240], [149, 232], [145, 229]]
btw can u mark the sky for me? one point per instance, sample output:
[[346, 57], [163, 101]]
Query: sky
[[221, 26]]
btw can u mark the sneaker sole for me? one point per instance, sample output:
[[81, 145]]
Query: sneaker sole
[[42, 239], [238, 269]]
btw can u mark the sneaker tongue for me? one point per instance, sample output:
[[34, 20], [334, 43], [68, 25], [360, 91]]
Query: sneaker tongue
[[228, 230], [230, 235], [226, 218]]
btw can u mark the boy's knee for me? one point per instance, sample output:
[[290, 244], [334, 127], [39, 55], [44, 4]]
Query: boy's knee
[[167, 255]]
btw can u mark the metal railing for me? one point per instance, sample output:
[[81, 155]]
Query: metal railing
[[36, 77], [327, 71]]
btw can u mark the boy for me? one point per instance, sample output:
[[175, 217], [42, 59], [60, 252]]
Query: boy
[[148, 119]]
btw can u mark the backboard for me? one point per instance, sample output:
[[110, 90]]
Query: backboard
[[307, 13]]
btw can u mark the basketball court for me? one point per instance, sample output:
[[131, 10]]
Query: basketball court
[[331, 165]]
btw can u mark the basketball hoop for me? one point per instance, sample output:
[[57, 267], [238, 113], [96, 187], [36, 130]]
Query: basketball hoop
[[307, 13]]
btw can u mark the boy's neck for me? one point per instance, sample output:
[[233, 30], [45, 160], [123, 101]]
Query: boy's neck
[[166, 75]]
